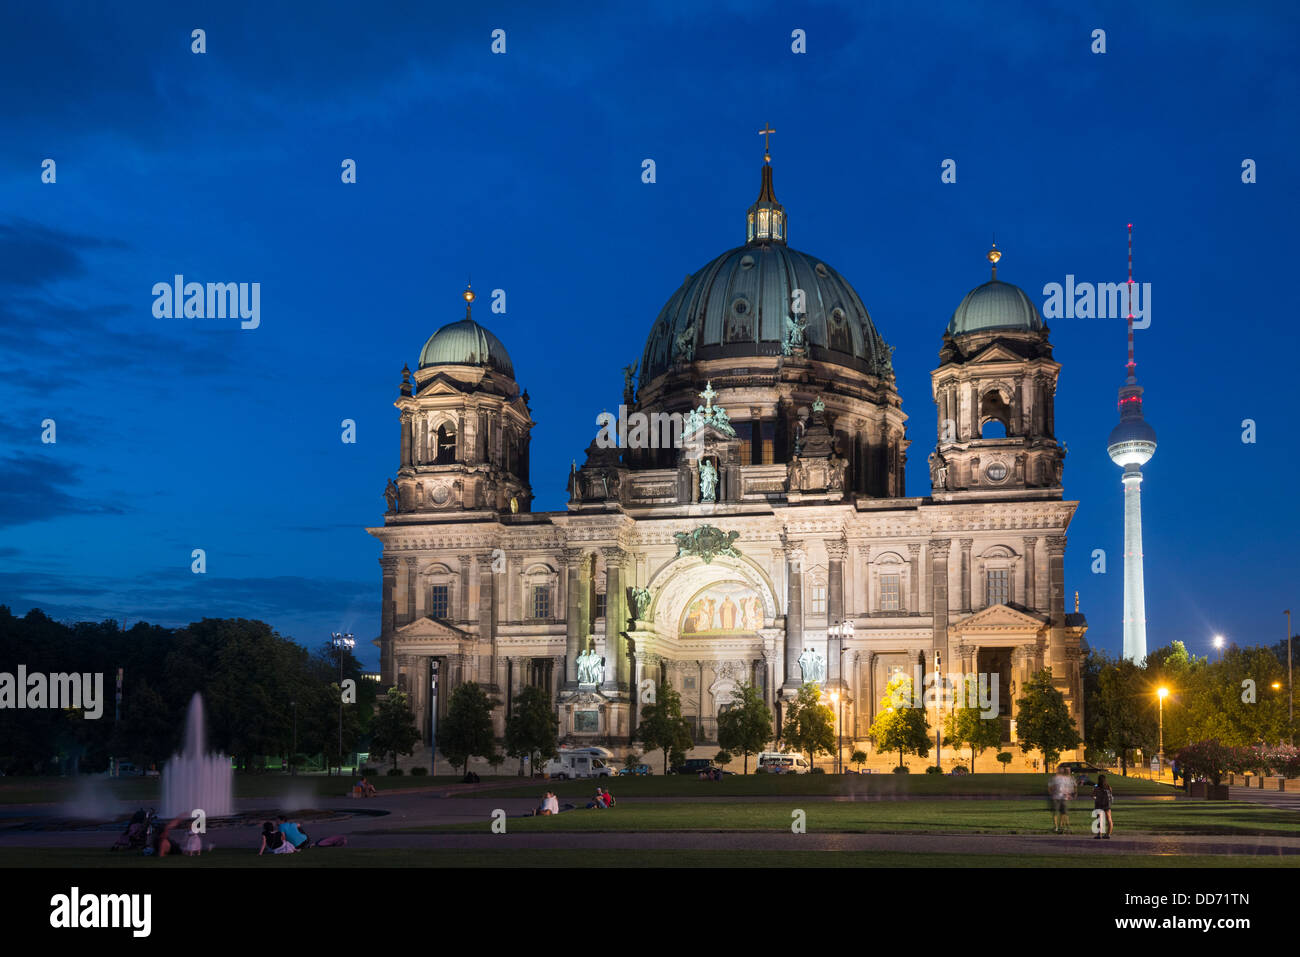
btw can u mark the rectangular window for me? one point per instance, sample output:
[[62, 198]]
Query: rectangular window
[[998, 586], [819, 599], [745, 432], [889, 593], [439, 601], [600, 606], [767, 431], [541, 601]]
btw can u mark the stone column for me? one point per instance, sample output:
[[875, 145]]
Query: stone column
[[616, 663], [574, 627], [1031, 593], [406, 439], [836, 549], [411, 590], [462, 610], [863, 567], [1056, 579], [794, 559], [939, 548], [914, 560], [487, 613], [388, 609], [966, 574]]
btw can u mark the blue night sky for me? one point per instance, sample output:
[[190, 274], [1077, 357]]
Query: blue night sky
[[524, 170]]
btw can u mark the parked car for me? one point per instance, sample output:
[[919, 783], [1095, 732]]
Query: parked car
[[693, 766], [776, 762], [643, 770], [580, 763]]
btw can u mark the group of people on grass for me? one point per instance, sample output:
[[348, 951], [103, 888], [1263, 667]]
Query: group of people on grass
[[602, 801], [284, 837], [1061, 789]]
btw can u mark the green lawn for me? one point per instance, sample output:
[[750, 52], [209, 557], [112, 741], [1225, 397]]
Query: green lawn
[[921, 785], [145, 790], [911, 816], [345, 857]]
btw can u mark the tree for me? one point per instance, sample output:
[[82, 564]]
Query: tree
[[662, 727], [1233, 701], [393, 729], [1122, 717], [1043, 721], [1004, 758], [859, 758], [722, 757], [809, 724], [466, 732], [968, 726], [632, 760], [746, 727], [532, 728], [899, 727]]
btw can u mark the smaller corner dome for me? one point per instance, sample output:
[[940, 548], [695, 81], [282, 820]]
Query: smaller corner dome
[[466, 343], [995, 305]]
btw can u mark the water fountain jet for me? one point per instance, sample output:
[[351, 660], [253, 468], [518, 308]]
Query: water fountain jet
[[195, 779]]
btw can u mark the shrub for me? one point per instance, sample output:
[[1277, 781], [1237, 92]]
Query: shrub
[[723, 758], [395, 772], [934, 769], [1210, 760], [902, 769], [760, 770], [817, 771], [417, 772]]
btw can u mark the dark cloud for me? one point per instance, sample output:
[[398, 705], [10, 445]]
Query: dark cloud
[[37, 488], [33, 255]]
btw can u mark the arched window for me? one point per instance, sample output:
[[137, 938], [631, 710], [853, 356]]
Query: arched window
[[446, 451], [995, 416]]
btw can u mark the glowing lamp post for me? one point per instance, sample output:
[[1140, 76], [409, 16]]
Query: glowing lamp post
[[1218, 645], [839, 730], [1161, 693]]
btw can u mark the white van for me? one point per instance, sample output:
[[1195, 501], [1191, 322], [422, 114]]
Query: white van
[[774, 762], [580, 763]]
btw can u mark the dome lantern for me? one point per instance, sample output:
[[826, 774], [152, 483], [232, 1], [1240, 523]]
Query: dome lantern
[[765, 221]]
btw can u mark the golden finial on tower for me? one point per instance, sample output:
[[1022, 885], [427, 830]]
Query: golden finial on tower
[[994, 255], [468, 296]]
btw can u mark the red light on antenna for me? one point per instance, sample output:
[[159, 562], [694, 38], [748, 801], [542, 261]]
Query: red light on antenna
[[1130, 225]]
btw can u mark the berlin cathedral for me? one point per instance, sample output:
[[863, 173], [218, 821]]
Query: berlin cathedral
[[770, 541]]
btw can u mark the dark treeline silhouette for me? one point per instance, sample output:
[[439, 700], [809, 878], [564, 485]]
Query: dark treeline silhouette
[[249, 677]]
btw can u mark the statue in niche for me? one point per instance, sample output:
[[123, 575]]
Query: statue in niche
[[640, 603], [708, 482], [391, 496], [813, 666], [590, 667]]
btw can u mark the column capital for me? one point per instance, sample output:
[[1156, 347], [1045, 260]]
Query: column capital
[[464, 560], [914, 549], [571, 557], [837, 549], [389, 565], [1031, 541], [615, 555], [939, 547], [966, 543], [1056, 544]]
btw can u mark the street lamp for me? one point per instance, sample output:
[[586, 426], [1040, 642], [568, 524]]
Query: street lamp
[[938, 712], [839, 731], [342, 641], [1161, 692], [844, 631], [1290, 687], [1218, 645]]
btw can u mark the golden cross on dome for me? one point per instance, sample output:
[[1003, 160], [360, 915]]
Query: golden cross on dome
[[708, 395], [766, 132]]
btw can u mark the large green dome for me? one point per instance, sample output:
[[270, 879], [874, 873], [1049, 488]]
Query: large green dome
[[995, 305], [466, 343]]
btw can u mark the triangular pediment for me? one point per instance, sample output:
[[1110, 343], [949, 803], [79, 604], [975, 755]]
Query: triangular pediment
[[996, 352], [1000, 618], [430, 628], [442, 385]]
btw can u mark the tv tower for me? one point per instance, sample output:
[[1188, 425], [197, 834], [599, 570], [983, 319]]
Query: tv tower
[[1131, 445]]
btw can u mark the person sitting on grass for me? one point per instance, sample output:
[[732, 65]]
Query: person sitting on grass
[[364, 788], [293, 834], [598, 802], [273, 841]]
